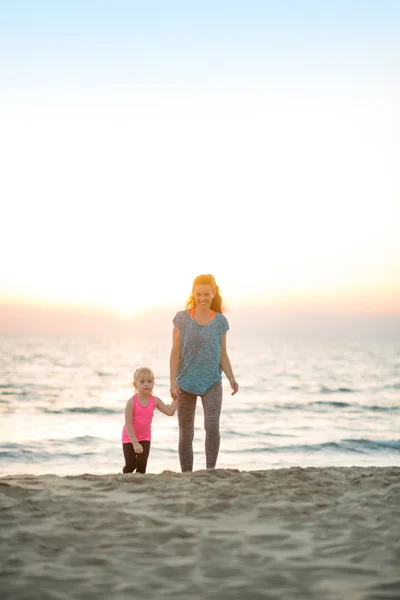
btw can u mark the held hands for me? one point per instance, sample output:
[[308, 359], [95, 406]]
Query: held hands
[[174, 391], [234, 385], [138, 448]]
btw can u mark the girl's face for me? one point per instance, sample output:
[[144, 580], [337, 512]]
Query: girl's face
[[203, 295], [144, 385]]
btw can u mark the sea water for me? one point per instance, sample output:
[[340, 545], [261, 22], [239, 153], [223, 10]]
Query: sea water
[[301, 403]]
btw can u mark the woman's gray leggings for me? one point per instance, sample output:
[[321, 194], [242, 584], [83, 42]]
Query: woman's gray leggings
[[212, 401]]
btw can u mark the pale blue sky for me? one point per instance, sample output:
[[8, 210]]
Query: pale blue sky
[[250, 138], [84, 41]]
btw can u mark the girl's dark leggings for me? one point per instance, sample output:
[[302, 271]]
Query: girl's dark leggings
[[133, 461], [212, 401]]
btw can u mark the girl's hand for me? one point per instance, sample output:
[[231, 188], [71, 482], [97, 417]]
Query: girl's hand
[[174, 391], [138, 448], [234, 386]]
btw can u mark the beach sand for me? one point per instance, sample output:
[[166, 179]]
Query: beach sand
[[323, 533]]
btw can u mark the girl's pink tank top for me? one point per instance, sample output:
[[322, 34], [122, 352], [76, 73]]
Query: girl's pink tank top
[[142, 418]]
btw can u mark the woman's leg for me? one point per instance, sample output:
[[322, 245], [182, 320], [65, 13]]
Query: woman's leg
[[186, 413], [141, 459], [212, 401], [130, 458]]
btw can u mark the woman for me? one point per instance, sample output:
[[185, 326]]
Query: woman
[[198, 357]]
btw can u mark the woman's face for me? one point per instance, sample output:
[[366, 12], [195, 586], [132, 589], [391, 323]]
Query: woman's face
[[203, 295]]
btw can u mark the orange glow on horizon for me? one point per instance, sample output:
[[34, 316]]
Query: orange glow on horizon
[[376, 300]]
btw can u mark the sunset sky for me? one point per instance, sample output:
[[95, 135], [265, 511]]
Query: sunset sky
[[143, 143]]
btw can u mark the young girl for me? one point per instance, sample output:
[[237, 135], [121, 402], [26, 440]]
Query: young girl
[[198, 358], [139, 411]]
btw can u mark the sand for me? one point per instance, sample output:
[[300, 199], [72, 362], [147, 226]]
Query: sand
[[323, 533]]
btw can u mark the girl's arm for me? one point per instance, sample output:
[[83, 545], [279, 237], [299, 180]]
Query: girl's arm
[[225, 364], [168, 410], [174, 362], [138, 448]]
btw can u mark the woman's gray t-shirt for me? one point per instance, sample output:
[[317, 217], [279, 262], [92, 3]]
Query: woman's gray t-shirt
[[200, 355]]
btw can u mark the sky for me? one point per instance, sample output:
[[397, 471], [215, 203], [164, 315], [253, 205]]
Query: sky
[[144, 143]]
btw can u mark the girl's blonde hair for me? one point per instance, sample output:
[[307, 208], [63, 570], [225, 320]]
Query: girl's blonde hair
[[142, 372]]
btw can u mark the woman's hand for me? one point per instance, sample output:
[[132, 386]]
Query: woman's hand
[[174, 391], [234, 385], [138, 448]]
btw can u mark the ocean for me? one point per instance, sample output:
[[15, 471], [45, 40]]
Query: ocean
[[301, 403]]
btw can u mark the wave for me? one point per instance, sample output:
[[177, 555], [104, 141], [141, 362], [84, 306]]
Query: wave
[[34, 451], [11, 390], [34, 456], [80, 439], [392, 386], [373, 407], [337, 404], [345, 390], [316, 405], [339, 390], [359, 446], [91, 410], [85, 446], [232, 433]]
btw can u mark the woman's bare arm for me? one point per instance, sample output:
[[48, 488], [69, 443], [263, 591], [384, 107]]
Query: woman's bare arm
[[174, 361], [225, 364]]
